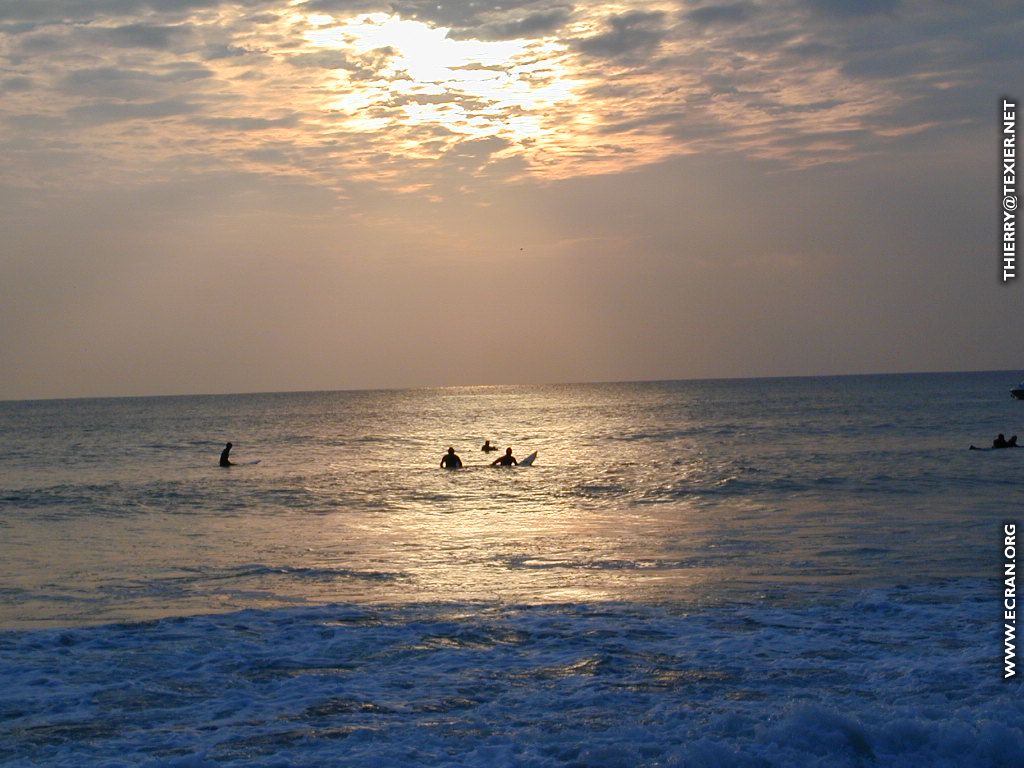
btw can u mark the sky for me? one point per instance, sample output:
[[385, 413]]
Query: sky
[[202, 196]]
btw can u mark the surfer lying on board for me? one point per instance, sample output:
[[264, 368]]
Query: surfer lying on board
[[487, 447], [224, 461], [507, 460], [999, 442], [450, 460]]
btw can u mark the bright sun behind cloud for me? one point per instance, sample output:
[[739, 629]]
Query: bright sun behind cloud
[[429, 97], [423, 92], [406, 72]]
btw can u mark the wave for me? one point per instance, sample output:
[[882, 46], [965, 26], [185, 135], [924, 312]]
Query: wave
[[257, 570], [525, 562], [879, 677]]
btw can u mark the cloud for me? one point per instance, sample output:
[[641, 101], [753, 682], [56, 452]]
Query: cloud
[[348, 6], [658, 119], [41, 43], [226, 51], [130, 83], [892, 63], [854, 7], [516, 25], [809, 49], [480, 20], [323, 59], [532, 25], [114, 111], [249, 123], [629, 32], [64, 11], [36, 123], [478, 149], [731, 13], [586, 88], [16, 84], [145, 36]]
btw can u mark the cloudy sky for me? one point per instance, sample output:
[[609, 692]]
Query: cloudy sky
[[231, 196]]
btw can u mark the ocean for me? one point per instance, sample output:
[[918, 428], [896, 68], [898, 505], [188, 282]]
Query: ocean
[[761, 572]]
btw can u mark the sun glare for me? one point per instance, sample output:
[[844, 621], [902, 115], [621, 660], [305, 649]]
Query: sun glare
[[403, 72]]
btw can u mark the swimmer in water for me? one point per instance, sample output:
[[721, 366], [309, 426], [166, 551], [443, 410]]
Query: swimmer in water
[[999, 442], [224, 461], [505, 461], [487, 447], [450, 460]]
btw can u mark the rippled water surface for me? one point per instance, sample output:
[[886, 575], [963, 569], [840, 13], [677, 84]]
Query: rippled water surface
[[701, 492], [798, 572]]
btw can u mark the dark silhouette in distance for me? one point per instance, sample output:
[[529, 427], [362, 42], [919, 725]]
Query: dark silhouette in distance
[[450, 460], [507, 460]]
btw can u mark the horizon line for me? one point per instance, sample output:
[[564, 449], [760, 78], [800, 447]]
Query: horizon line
[[495, 385]]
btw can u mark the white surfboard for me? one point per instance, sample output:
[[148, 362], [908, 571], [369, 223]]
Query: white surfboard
[[528, 461]]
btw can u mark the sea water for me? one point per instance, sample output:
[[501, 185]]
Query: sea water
[[757, 572]]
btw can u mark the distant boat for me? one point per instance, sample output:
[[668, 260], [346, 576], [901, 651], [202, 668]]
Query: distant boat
[[1018, 391]]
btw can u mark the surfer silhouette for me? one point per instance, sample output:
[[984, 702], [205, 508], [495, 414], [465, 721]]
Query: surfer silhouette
[[224, 461], [999, 442], [505, 461], [487, 447], [450, 460]]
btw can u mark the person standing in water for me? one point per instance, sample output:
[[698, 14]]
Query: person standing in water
[[507, 460], [224, 461], [450, 460]]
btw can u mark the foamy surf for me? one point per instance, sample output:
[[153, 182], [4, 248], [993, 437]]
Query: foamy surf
[[896, 677]]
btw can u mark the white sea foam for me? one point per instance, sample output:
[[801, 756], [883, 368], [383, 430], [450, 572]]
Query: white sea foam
[[898, 677]]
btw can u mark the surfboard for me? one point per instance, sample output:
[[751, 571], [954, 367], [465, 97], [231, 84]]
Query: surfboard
[[528, 461]]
